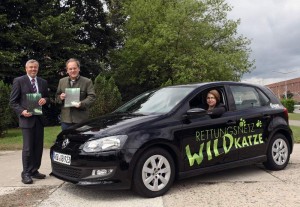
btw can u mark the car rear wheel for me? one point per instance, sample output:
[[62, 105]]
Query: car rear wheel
[[154, 173], [278, 154]]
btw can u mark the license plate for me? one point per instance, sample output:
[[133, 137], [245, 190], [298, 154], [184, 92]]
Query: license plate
[[62, 158]]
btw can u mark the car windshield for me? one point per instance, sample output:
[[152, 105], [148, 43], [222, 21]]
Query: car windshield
[[156, 102]]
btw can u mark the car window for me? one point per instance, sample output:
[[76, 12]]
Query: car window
[[199, 101], [247, 97], [264, 99], [156, 102]]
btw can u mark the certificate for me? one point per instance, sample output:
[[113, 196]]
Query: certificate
[[72, 97]]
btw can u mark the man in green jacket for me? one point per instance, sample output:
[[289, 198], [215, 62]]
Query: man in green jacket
[[78, 112]]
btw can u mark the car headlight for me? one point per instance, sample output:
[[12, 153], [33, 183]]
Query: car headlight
[[106, 143]]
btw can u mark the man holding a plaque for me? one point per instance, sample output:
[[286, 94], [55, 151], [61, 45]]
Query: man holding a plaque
[[29, 93], [75, 94]]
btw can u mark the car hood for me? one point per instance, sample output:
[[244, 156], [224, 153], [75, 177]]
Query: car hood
[[111, 124]]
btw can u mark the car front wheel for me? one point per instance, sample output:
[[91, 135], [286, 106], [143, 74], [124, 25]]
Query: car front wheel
[[154, 173], [278, 154]]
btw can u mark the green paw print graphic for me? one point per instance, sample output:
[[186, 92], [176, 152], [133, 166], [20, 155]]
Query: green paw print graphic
[[258, 123], [242, 122]]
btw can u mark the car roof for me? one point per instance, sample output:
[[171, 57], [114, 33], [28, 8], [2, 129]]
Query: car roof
[[196, 85]]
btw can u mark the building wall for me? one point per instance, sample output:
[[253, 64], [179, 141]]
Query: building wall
[[292, 85]]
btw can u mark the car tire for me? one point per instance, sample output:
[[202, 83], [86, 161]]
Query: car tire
[[278, 153], [154, 173]]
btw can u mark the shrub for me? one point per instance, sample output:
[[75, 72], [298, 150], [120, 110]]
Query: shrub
[[108, 96], [5, 111], [289, 104]]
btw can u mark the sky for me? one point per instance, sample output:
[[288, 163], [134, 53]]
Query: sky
[[273, 26]]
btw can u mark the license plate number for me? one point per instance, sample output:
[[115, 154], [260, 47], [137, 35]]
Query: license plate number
[[62, 158]]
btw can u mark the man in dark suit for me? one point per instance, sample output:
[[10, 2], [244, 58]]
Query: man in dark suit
[[32, 125]]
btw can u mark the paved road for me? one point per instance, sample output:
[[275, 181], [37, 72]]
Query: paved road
[[246, 186], [294, 122]]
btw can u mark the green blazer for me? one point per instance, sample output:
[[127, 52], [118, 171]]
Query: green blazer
[[87, 97]]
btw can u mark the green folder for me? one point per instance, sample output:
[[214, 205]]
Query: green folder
[[32, 103]]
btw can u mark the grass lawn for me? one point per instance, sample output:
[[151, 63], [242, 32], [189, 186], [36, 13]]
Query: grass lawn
[[294, 116], [296, 129], [296, 133], [13, 139]]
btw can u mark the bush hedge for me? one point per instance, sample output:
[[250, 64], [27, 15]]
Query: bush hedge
[[289, 104], [108, 96], [6, 112]]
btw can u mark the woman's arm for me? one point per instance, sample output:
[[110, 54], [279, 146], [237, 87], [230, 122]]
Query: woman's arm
[[217, 111]]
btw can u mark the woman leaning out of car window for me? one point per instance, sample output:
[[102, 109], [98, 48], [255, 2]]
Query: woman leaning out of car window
[[215, 108]]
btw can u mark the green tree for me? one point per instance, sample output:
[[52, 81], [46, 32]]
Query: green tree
[[116, 19], [179, 42], [108, 97], [5, 111], [96, 32]]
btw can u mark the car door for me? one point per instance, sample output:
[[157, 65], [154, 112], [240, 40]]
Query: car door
[[206, 141], [253, 117]]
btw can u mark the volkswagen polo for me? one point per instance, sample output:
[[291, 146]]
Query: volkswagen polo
[[166, 134]]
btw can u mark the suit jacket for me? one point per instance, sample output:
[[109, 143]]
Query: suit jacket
[[18, 101], [87, 97]]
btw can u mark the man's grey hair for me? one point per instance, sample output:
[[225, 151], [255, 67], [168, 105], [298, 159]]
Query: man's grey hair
[[32, 61], [73, 60]]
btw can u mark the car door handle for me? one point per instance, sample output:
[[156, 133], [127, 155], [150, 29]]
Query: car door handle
[[266, 116], [230, 122]]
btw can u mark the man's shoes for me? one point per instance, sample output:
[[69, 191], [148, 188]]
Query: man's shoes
[[26, 179], [38, 175]]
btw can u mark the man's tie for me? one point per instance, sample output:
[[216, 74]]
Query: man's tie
[[33, 85]]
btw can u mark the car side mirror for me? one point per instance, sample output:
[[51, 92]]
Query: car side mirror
[[196, 112]]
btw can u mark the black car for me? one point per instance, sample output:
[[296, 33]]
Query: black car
[[165, 134]]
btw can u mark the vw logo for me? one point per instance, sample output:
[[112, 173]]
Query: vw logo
[[65, 143]]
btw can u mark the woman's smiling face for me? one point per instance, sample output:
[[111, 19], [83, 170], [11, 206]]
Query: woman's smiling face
[[211, 100]]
